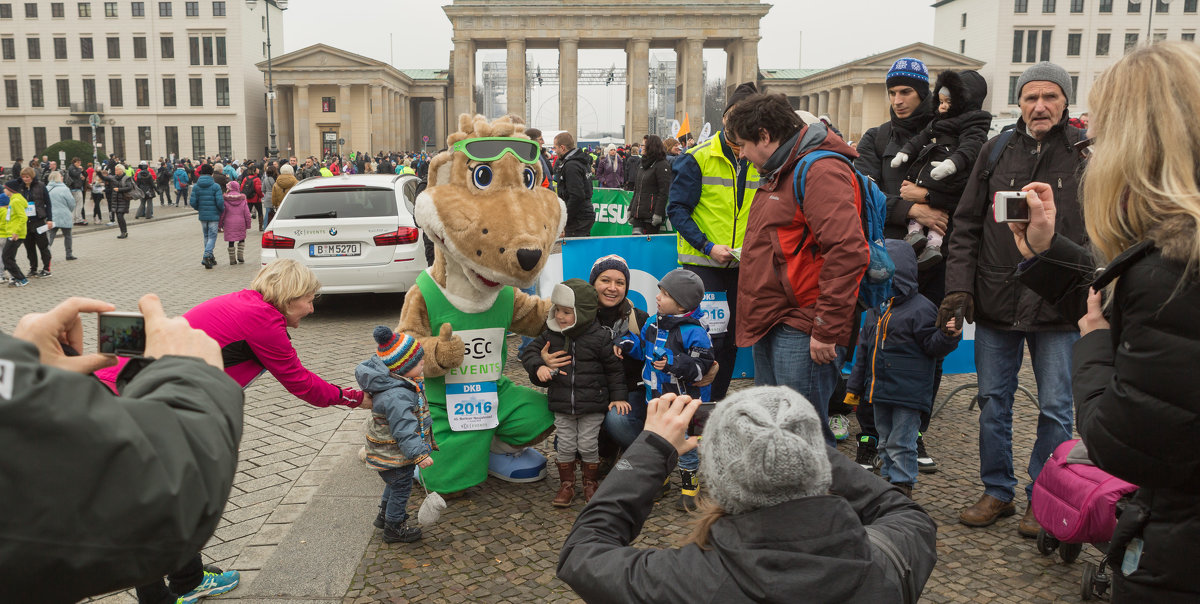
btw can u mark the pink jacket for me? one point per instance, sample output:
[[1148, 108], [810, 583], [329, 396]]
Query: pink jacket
[[235, 220], [253, 337]]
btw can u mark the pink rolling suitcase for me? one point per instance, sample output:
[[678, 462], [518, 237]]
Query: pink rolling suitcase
[[1073, 500]]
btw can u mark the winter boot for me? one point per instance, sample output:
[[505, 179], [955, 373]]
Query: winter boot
[[591, 480], [241, 251], [400, 532], [929, 258], [868, 452], [232, 257], [379, 519], [688, 490], [905, 487], [566, 487], [209, 262], [917, 240]]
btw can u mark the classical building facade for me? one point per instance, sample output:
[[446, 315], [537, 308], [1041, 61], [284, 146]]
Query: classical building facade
[[167, 77], [854, 95], [1083, 36], [518, 25], [330, 101]]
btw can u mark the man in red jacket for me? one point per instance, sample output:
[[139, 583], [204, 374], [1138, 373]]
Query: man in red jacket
[[798, 319]]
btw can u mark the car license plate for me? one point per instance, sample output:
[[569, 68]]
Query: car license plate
[[327, 250]]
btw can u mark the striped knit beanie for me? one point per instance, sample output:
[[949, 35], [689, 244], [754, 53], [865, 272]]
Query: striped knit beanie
[[400, 352]]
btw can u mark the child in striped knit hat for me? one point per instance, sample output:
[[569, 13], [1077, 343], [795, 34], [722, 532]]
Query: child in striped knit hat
[[400, 431]]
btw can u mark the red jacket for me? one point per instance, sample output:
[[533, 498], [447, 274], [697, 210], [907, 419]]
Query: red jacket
[[802, 268]]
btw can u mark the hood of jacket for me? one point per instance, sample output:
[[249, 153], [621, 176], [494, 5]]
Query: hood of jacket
[[967, 90], [374, 377], [579, 295], [578, 156], [1175, 236], [810, 138], [904, 282], [55, 185], [669, 322], [206, 182]]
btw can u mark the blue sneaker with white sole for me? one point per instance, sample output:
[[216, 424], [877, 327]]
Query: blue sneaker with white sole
[[215, 583], [525, 466]]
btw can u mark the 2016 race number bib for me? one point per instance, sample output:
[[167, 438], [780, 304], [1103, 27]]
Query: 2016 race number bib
[[471, 399], [716, 312]]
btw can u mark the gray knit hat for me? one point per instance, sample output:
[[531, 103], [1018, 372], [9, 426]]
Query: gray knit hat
[[763, 446], [685, 287], [1047, 72]]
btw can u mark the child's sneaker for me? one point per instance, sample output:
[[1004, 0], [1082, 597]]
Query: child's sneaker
[[917, 240], [868, 452], [19, 283], [929, 258], [925, 463], [400, 532], [689, 488], [840, 426], [215, 583]]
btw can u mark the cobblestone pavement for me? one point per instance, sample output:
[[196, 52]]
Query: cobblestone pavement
[[501, 542]]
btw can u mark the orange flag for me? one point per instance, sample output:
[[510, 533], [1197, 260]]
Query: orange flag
[[684, 128]]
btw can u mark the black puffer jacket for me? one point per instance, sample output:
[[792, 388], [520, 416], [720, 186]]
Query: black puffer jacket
[[571, 179], [1135, 390], [651, 191], [595, 376], [35, 194], [876, 149], [983, 256]]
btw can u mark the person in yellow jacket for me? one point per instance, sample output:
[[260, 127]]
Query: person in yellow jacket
[[12, 210]]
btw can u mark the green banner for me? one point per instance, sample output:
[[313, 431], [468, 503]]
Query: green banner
[[612, 213]]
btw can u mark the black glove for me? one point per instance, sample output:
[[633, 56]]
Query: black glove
[[959, 306]]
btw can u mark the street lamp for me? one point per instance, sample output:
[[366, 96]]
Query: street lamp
[[273, 150]]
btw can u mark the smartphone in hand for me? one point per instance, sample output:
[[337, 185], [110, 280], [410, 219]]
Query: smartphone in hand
[[122, 334]]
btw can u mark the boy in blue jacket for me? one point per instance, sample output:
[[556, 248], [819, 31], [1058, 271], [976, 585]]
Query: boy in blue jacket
[[400, 430], [678, 353], [894, 367]]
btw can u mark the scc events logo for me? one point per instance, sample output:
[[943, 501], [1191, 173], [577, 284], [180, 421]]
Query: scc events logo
[[479, 348]]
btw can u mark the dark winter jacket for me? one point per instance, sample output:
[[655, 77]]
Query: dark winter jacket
[[123, 195], [595, 377], [818, 548], [620, 321], [982, 255], [610, 171], [633, 167], [1135, 394], [652, 191], [898, 351], [75, 178], [684, 343], [876, 149], [573, 186], [103, 493], [37, 195], [207, 199], [400, 429]]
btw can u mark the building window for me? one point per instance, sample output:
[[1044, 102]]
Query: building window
[[8, 49], [207, 44], [118, 143], [1075, 84], [143, 139], [10, 94], [60, 48], [14, 142], [1018, 45], [964, 20], [31, 10], [962, 47], [64, 133], [222, 92], [85, 10], [139, 47], [1048, 6], [1074, 41], [218, 9], [194, 50], [35, 48], [168, 47], [191, 9], [172, 140], [225, 141], [1159, 36], [39, 137], [1189, 36], [116, 97], [1131, 40], [168, 92], [1189, 6], [1134, 7], [89, 92], [196, 91], [1077, 6], [197, 141], [56, 10], [1046, 44], [141, 87], [36, 96], [164, 9], [221, 58], [85, 48], [1106, 6], [114, 48], [328, 104], [137, 9], [64, 92], [6, 12], [1020, 6], [110, 9], [1161, 6]]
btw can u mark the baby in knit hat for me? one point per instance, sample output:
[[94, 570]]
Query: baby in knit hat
[[400, 430]]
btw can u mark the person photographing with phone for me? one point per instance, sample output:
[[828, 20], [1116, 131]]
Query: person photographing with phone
[[103, 492]]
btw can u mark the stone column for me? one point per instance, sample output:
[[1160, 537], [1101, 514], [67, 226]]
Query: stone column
[[303, 125], [516, 77], [397, 121], [439, 123], [749, 60], [843, 120], [637, 87], [464, 78], [375, 139], [823, 103], [694, 92], [568, 86], [345, 123], [835, 102], [854, 129], [403, 120], [733, 67]]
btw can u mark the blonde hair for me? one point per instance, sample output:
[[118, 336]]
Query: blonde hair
[[706, 515], [55, 177], [1144, 170], [283, 281]]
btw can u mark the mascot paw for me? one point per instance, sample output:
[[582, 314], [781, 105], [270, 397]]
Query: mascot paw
[[450, 348]]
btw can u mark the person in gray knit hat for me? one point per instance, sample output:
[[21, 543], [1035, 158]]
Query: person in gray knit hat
[[781, 500]]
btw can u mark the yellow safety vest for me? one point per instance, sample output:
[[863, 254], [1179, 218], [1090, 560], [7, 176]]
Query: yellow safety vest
[[717, 213]]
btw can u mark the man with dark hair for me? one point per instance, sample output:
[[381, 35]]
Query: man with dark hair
[[574, 188], [798, 319]]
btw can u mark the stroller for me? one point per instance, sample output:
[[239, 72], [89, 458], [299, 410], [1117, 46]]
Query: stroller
[[1076, 503]]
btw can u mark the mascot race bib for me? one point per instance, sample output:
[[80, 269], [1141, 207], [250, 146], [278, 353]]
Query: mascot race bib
[[471, 400], [716, 312]]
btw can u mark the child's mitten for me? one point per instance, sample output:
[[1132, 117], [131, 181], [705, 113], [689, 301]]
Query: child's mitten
[[942, 169], [899, 159]]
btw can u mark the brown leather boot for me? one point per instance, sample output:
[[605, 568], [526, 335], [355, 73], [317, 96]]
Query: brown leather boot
[[986, 511], [566, 487], [1029, 526], [591, 480]]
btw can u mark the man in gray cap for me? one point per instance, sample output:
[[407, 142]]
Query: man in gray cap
[[1007, 315]]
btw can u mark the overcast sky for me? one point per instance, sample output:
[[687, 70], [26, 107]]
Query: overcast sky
[[833, 32]]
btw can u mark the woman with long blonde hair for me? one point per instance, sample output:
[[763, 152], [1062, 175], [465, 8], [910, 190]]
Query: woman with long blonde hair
[[1135, 378]]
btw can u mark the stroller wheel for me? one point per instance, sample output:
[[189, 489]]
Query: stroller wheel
[[1046, 543], [1070, 551], [1088, 584]]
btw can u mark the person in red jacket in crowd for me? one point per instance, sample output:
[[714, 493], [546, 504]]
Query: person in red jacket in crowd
[[252, 188]]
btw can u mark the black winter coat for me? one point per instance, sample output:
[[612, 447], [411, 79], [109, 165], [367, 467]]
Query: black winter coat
[[982, 255], [876, 149], [571, 179], [652, 191], [594, 378], [1135, 391], [37, 195]]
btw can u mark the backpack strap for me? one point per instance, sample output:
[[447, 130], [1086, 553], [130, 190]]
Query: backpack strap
[[1003, 140]]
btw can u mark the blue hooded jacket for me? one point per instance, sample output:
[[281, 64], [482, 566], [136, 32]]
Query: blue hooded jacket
[[400, 429], [897, 351], [684, 342], [207, 199]]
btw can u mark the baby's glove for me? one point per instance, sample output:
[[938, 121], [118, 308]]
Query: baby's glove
[[656, 220], [899, 160], [852, 399], [942, 169]]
